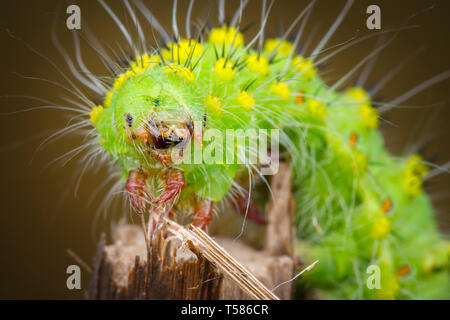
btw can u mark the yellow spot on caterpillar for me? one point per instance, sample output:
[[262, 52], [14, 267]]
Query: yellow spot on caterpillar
[[412, 184], [369, 116], [246, 100], [95, 114], [317, 108], [121, 80], [182, 51], [284, 47], [181, 71], [387, 205], [281, 89], [214, 104], [381, 228], [108, 98], [359, 95], [258, 64], [417, 166], [144, 62], [224, 69], [305, 66], [389, 289], [360, 161], [429, 264], [138, 67], [226, 35], [413, 175], [353, 139], [436, 258]]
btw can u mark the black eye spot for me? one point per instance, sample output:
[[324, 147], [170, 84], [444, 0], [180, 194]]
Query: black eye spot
[[156, 102], [129, 120]]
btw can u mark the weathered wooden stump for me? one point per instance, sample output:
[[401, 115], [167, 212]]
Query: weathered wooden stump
[[185, 263]]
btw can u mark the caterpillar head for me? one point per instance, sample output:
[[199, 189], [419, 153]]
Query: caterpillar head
[[148, 114]]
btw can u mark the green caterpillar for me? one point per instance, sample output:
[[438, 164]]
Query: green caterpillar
[[356, 204]]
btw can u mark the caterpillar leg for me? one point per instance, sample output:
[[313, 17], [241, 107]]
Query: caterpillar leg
[[203, 210], [174, 179], [135, 186], [253, 213], [160, 156]]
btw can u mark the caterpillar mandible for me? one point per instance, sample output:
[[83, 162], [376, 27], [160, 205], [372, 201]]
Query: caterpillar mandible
[[356, 204]]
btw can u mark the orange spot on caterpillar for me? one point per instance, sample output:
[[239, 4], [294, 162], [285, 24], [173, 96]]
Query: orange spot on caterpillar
[[299, 99], [353, 140], [142, 134], [403, 271], [387, 205]]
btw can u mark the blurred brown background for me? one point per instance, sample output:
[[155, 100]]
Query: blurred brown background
[[40, 216]]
